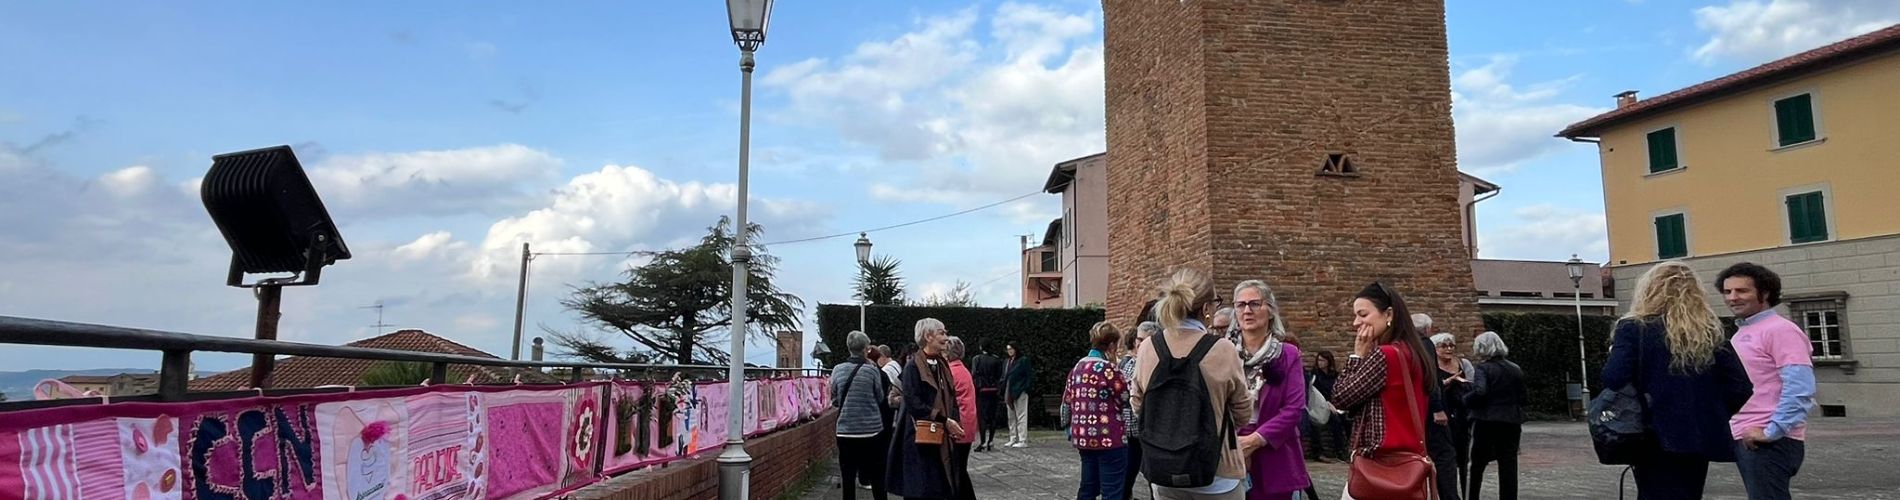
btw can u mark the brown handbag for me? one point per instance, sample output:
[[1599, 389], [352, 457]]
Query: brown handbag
[[930, 431], [1395, 474]]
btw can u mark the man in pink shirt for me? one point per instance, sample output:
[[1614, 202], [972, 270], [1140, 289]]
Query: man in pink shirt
[[1771, 430]]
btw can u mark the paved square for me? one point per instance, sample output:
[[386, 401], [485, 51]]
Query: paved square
[[1847, 459]]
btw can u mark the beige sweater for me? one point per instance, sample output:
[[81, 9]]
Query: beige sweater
[[1226, 384]]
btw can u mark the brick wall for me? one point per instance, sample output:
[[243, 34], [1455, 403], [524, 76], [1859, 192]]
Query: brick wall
[[1220, 115], [779, 460]]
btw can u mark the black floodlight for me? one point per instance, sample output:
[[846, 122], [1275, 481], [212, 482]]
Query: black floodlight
[[270, 215]]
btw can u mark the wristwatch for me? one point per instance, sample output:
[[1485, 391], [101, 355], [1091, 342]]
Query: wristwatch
[[1350, 357]]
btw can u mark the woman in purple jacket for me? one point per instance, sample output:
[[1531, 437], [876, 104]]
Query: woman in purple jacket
[[1275, 464]]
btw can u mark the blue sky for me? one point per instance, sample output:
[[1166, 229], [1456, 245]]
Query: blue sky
[[443, 134]]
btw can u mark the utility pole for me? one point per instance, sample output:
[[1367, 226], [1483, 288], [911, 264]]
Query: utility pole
[[521, 300]]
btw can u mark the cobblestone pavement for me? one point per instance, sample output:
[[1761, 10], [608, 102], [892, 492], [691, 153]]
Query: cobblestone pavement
[[1847, 459]]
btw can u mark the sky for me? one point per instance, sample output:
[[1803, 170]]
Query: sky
[[442, 135]]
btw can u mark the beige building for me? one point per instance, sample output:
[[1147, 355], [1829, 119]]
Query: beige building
[[1042, 269], [1070, 267], [1791, 165]]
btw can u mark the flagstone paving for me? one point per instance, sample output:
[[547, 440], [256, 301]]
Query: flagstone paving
[[1847, 459]]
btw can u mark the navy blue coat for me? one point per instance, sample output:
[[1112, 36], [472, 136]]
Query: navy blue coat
[[1688, 412]]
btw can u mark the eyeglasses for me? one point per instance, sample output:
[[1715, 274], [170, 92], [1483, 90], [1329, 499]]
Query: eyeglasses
[[1250, 304]]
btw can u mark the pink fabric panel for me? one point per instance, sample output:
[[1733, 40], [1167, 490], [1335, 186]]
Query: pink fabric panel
[[527, 447]]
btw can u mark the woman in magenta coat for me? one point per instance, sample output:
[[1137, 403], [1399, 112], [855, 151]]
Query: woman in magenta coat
[[1275, 464]]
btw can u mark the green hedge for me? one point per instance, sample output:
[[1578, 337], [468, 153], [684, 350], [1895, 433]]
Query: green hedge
[[1053, 338], [1545, 345]]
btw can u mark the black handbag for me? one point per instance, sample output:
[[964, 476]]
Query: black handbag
[[1619, 422]]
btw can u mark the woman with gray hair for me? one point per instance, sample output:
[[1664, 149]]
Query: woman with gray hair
[[1276, 378], [857, 390], [1454, 379], [1496, 405], [922, 468], [966, 412]]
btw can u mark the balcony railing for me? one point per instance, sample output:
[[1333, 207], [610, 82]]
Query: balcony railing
[[175, 368]]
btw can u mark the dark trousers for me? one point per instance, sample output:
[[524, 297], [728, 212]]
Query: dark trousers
[[862, 460], [1767, 469], [960, 465], [1134, 467], [1671, 476], [1438, 445], [1461, 443], [989, 416], [1495, 441], [1102, 474]]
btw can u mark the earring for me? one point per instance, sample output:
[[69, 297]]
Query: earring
[[1388, 323]]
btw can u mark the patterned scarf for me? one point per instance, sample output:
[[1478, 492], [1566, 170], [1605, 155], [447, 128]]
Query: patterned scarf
[[1258, 361]]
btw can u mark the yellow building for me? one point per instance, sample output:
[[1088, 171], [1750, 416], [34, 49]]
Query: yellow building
[[1793, 165]]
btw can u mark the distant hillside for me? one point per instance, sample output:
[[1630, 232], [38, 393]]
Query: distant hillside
[[18, 386]]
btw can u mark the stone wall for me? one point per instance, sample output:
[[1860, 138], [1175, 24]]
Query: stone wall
[[1868, 272], [779, 460], [1220, 117]]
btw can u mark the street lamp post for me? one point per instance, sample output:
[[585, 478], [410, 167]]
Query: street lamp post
[[1575, 266], [748, 18], [864, 258]]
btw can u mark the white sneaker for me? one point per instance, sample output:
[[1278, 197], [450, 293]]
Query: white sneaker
[[1020, 445]]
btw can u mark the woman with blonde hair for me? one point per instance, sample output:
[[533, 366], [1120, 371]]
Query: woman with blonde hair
[[1195, 396], [1671, 349]]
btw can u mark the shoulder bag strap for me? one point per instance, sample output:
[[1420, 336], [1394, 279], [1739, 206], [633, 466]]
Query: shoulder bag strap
[[1411, 396]]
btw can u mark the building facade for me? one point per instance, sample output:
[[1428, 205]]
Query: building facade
[[1790, 165], [1309, 143], [1042, 270], [1530, 286], [1082, 250]]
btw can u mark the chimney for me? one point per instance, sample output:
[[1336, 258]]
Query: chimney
[[1625, 98], [539, 349]]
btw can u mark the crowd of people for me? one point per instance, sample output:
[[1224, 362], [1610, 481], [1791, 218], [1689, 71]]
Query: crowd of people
[[1210, 400]]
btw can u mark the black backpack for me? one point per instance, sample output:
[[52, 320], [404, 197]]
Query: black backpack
[[1619, 425], [1181, 445]]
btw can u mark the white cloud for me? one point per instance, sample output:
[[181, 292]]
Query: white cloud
[[973, 115], [1548, 232], [623, 209], [438, 182], [432, 245], [1753, 31], [1500, 127], [129, 181]]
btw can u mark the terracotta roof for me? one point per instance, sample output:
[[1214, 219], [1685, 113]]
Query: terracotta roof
[[306, 371], [1845, 51]]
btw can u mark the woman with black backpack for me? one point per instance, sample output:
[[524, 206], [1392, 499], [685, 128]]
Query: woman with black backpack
[[1190, 393], [1671, 350]]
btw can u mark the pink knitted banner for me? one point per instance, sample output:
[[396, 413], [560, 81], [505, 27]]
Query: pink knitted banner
[[425, 443]]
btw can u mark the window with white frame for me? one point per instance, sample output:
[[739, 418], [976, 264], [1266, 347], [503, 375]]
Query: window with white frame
[[1824, 319]]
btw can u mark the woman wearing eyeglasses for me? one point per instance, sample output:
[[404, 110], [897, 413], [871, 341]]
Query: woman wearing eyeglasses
[[1277, 379]]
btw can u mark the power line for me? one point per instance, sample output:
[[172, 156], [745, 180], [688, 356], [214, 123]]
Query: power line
[[828, 236]]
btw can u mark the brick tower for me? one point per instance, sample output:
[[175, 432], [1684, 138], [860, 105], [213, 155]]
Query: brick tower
[[1306, 142]]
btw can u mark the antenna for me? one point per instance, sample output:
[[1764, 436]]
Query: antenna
[[380, 325]]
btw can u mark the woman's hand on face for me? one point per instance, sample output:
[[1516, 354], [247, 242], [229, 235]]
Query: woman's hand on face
[[1363, 341]]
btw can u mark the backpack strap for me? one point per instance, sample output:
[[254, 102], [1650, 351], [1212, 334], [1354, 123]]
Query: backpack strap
[[1194, 358]]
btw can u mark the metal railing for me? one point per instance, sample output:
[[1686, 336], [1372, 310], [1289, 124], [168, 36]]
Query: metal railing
[[174, 373]]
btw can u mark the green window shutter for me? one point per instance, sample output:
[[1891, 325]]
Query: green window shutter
[[1672, 240], [1794, 119], [1807, 218], [1662, 150]]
